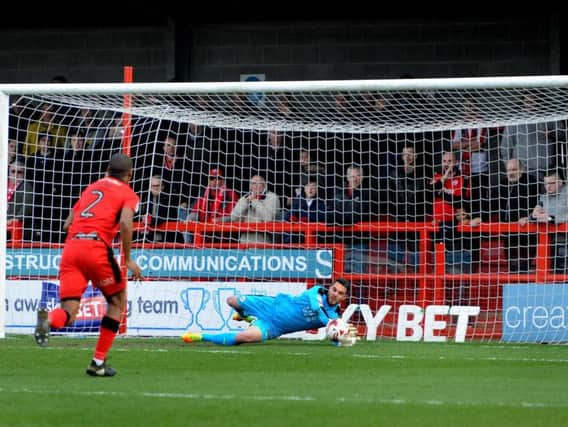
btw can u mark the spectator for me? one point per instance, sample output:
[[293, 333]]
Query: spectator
[[272, 159], [103, 134], [40, 173], [217, 200], [20, 199], [259, 205], [310, 169], [307, 208], [471, 147], [513, 201], [411, 202], [450, 189], [169, 163], [45, 124], [13, 154], [85, 121], [552, 209], [156, 209], [352, 204], [77, 169], [531, 143]]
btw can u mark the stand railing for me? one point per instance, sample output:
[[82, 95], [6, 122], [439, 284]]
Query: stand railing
[[429, 284]]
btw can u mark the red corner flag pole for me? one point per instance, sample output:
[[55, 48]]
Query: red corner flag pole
[[126, 118], [126, 139]]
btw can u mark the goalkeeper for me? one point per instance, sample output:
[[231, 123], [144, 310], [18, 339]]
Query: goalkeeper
[[271, 317]]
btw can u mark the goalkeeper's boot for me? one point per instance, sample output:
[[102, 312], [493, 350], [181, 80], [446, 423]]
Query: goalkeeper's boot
[[102, 370], [41, 333], [238, 318], [190, 337]]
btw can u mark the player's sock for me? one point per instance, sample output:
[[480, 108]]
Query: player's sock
[[58, 318], [109, 328], [228, 338], [98, 362]]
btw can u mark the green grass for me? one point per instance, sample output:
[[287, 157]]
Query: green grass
[[163, 382]]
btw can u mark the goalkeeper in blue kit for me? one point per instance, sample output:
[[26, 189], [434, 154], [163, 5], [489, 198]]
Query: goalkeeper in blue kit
[[271, 317]]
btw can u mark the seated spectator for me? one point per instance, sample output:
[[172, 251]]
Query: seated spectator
[[309, 208], [258, 205], [217, 200], [271, 158], [20, 199], [552, 209], [156, 209]]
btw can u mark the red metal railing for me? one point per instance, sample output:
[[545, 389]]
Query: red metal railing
[[429, 283]]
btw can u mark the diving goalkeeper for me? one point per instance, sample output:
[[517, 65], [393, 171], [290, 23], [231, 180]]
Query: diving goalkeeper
[[271, 317]]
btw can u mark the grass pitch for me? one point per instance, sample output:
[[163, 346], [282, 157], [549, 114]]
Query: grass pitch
[[164, 382]]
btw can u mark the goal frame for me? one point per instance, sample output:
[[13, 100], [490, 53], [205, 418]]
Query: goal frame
[[7, 90]]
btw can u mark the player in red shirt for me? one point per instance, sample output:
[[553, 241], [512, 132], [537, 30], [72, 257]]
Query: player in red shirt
[[105, 207]]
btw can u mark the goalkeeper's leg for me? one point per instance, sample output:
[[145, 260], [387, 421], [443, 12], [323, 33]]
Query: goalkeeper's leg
[[251, 335]]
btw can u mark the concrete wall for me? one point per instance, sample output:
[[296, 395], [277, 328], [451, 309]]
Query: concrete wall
[[284, 51], [89, 55], [361, 50]]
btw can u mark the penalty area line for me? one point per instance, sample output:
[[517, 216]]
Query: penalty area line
[[252, 398]]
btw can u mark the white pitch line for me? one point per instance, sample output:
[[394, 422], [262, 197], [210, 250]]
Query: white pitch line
[[471, 359], [353, 399], [303, 354]]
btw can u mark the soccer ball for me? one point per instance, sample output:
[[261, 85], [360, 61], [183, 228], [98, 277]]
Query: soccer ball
[[335, 329]]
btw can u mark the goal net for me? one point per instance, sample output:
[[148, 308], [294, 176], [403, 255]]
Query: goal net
[[442, 201]]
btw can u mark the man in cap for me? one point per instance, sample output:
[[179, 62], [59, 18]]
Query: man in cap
[[217, 200]]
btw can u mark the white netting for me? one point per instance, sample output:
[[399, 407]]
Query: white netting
[[377, 153]]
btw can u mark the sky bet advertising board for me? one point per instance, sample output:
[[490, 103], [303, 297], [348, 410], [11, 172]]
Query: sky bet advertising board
[[535, 313]]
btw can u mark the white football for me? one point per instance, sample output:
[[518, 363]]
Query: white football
[[335, 329]]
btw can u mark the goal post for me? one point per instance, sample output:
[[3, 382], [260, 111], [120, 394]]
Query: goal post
[[424, 193]]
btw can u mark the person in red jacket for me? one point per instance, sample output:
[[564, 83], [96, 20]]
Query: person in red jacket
[[217, 200], [105, 207], [450, 188]]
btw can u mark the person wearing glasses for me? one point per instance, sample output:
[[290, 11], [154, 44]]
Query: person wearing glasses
[[20, 199]]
